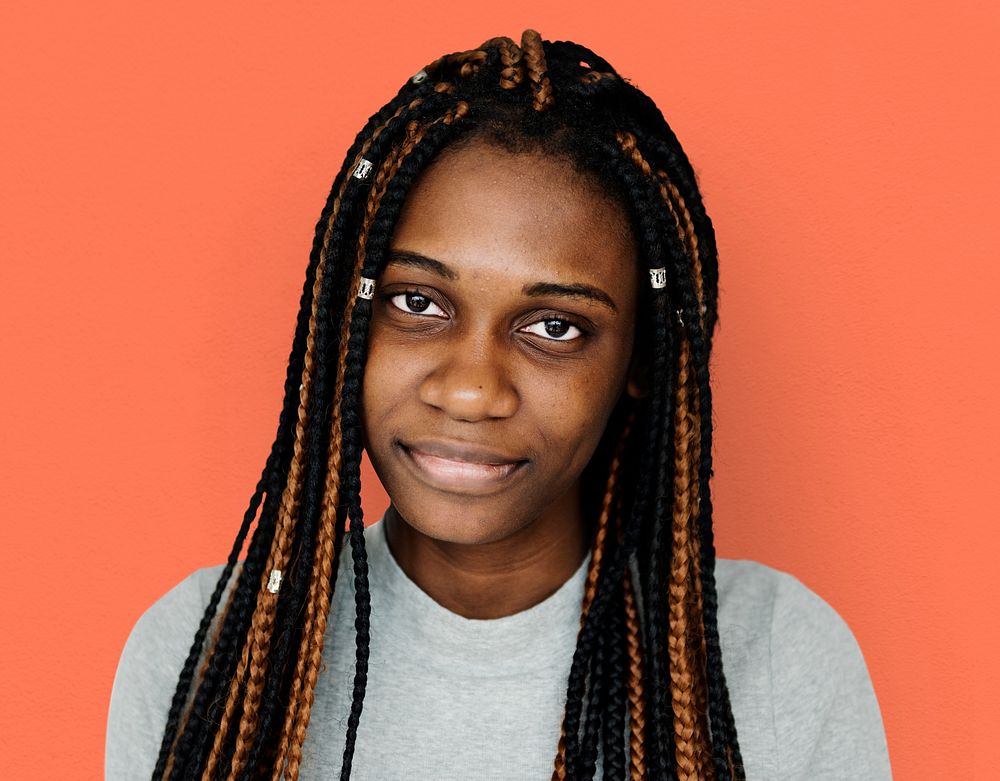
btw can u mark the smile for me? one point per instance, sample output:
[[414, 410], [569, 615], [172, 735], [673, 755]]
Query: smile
[[458, 473]]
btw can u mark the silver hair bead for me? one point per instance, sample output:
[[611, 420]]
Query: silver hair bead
[[419, 76], [367, 289], [658, 277], [362, 169], [274, 582]]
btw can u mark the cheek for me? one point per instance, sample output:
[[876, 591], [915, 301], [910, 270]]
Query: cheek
[[391, 376], [575, 408], [377, 387]]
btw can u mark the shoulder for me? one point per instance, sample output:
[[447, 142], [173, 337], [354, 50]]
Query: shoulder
[[181, 606], [806, 635], [767, 602], [148, 668], [797, 652]]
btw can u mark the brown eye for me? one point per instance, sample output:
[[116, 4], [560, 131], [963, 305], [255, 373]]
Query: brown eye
[[556, 329], [417, 301], [414, 303]]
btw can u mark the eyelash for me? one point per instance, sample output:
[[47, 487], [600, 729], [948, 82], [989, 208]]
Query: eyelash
[[569, 321]]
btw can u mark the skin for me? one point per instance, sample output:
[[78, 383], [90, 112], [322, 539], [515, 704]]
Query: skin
[[470, 357]]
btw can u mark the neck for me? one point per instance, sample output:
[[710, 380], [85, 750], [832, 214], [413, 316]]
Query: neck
[[494, 579]]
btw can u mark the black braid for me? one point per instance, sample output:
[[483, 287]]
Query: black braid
[[616, 702], [583, 765], [280, 450], [352, 486], [720, 708], [204, 713], [329, 317], [660, 561], [378, 240], [226, 652], [294, 577], [225, 655], [651, 243], [187, 673], [656, 567]]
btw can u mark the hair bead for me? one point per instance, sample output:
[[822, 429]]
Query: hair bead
[[367, 289], [362, 169], [419, 76], [658, 277], [274, 582]]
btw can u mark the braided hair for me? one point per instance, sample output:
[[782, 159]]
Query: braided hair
[[646, 687]]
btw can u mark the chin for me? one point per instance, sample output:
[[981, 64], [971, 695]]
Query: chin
[[457, 523]]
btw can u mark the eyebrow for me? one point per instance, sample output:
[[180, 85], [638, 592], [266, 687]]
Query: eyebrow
[[574, 290], [403, 258], [536, 289]]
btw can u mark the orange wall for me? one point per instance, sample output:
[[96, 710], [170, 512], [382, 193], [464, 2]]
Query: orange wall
[[162, 170]]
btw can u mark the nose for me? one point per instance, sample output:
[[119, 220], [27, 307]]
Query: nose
[[472, 382]]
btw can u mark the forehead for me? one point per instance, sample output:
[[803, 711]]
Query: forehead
[[488, 211]]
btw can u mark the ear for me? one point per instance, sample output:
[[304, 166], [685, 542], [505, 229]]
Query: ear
[[638, 375]]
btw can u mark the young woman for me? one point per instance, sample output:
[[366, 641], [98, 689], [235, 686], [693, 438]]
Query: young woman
[[509, 305]]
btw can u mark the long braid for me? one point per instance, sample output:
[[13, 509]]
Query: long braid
[[312, 491], [594, 568], [697, 651], [321, 581], [319, 492], [175, 723], [690, 746], [616, 706], [651, 248], [272, 467], [696, 623], [349, 382], [660, 750], [386, 207], [324, 563], [636, 700], [605, 702], [725, 751], [210, 650], [301, 586], [681, 675], [188, 749], [615, 702], [656, 245], [254, 657], [582, 765]]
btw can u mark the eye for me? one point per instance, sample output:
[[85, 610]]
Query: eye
[[414, 303], [556, 329]]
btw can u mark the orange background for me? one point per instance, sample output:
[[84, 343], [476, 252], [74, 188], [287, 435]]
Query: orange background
[[163, 167]]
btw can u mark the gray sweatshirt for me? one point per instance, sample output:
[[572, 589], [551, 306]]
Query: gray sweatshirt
[[452, 698]]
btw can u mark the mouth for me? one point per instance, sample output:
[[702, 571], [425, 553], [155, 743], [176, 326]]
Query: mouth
[[459, 469]]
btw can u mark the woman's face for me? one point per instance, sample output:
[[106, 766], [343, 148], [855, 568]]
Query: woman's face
[[501, 339]]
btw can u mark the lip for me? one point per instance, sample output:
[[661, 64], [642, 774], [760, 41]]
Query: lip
[[460, 467]]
